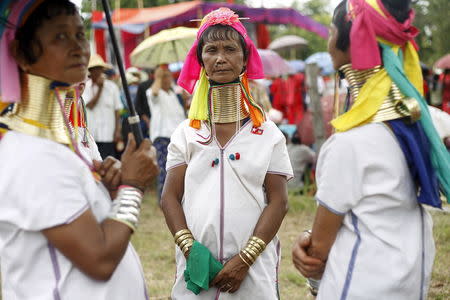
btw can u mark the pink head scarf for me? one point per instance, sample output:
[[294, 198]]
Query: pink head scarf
[[9, 70], [368, 24], [191, 68]]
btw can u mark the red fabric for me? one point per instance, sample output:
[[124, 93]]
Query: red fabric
[[278, 90], [81, 119], [295, 109], [446, 94], [263, 36], [99, 35], [129, 42]]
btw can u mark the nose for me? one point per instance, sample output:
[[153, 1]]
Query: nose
[[80, 47], [220, 58]]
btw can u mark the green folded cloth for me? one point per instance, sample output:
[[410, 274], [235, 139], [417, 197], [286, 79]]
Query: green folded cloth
[[201, 268]]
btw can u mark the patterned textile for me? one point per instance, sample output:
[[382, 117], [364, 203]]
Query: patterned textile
[[161, 145]]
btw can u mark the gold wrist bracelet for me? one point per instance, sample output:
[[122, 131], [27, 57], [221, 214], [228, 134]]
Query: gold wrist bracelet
[[240, 255], [180, 233]]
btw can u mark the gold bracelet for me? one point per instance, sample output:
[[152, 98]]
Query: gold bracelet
[[183, 238], [240, 255], [256, 250], [259, 241], [180, 233], [187, 246], [248, 255], [252, 253], [256, 245], [184, 243]]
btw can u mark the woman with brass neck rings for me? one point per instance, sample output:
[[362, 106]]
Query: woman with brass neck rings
[[372, 237], [225, 194], [61, 234]]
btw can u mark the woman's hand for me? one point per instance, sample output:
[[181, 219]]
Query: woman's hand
[[139, 166], [110, 171], [308, 266], [231, 276]]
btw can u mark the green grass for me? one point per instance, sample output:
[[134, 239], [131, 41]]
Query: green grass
[[156, 248]]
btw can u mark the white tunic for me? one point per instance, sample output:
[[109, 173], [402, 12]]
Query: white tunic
[[44, 184], [167, 113], [223, 203], [102, 118], [385, 248]]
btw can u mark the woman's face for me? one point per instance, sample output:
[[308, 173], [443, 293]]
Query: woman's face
[[223, 60], [65, 50], [339, 57]]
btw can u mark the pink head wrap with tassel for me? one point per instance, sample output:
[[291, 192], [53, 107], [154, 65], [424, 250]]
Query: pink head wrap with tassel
[[9, 70], [191, 68]]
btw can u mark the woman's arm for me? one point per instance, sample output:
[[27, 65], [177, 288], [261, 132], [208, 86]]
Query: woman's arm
[[96, 249], [273, 214], [172, 195], [235, 270], [324, 232]]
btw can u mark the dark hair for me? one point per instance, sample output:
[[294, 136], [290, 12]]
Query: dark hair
[[296, 140], [26, 34], [220, 32], [399, 9]]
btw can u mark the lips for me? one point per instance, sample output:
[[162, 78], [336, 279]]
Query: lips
[[78, 65]]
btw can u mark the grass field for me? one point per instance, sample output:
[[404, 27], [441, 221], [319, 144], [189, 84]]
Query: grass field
[[155, 246]]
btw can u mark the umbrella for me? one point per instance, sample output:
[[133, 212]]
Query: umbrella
[[297, 65], [323, 60], [287, 41], [167, 46], [443, 62], [274, 65]]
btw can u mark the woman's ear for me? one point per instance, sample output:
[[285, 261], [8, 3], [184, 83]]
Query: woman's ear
[[18, 56]]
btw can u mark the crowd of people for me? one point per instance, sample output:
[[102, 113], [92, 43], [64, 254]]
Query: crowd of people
[[72, 191]]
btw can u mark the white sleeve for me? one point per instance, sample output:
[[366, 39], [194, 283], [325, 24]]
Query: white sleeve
[[279, 162], [177, 150], [441, 121], [339, 186], [53, 190]]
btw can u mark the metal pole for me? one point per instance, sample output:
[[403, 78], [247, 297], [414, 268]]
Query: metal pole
[[133, 119]]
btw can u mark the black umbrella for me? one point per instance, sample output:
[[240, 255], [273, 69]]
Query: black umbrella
[[133, 119]]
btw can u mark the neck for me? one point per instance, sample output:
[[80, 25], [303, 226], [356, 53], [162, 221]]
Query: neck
[[395, 106], [227, 103], [39, 112]]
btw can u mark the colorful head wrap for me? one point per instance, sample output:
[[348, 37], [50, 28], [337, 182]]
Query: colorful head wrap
[[15, 14], [374, 27], [193, 72]]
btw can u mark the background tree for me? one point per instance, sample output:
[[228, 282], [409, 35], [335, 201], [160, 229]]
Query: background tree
[[432, 18], [317, 10]]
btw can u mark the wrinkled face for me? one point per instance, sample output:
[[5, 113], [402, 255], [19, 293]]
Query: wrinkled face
[[223, 60], [65, 50], [338, 56]]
